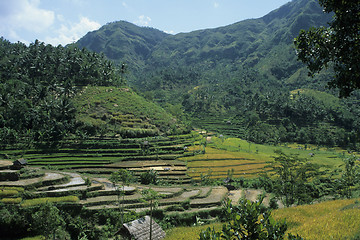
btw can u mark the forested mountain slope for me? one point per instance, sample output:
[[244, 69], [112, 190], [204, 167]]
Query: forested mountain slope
[[123, 42], [48, 94], [264, 44], [241, 79]]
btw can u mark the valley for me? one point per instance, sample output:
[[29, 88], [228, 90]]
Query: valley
[[195, 130]]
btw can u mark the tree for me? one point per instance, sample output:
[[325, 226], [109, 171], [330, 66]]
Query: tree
[[292, 175], [151, 197], [47, 220], [248, 220], [338, 45], [125, 177], [350, 176], [149, 177]]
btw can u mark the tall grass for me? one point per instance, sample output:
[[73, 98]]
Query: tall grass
[[11, 200], [38, 201], [186, 233], [338, 219]]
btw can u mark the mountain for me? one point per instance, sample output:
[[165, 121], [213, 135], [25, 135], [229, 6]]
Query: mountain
[[264, 43], [239, 80], [123, 42]]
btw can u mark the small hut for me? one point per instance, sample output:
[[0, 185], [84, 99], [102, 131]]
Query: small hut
[[18, 164], [140, 229]]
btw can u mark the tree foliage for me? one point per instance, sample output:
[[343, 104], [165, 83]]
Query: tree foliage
[[293, 177], [248, 220], [350, 176], [47, 220], [337, 46], [37, 83], [125, 177]]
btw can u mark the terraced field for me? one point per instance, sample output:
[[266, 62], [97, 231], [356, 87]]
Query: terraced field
[[216, 163], [249, 160], [102, 156], [221, 124], [99, 193]]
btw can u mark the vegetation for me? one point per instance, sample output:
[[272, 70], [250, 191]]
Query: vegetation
[[110, 111], [47, 220], [125, 177], [37, 83], [241, 80], [292, 140], [37, 201], [324, 220], [248, 220], [149, 177], [151, 197], [336, 46], [293, 178]]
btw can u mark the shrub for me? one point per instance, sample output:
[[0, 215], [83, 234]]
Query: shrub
[[149, 177], [8, 192], [11, 200], [243, 223]]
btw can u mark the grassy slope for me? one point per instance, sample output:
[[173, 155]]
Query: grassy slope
[[338, 219], [118, 109]]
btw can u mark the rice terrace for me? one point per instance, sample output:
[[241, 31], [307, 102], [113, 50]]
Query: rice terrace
[[246, 131]]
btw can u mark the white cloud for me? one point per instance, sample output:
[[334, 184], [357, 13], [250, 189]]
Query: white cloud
[[143, 20], [19, 15], [69, 33], [124, 4], [216, 4]]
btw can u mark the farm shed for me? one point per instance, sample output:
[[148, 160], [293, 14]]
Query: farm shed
[[140, 229], [18, 164]]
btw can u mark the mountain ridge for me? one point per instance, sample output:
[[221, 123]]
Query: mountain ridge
[[144, 43], [238, 79]]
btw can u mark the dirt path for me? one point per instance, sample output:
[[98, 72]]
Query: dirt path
[[235, 195], [250, 194], [49, 176], [5, 164]]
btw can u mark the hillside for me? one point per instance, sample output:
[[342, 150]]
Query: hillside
[[238, 80], [264, 44], [123, 42], [120, 111], [50, 94]]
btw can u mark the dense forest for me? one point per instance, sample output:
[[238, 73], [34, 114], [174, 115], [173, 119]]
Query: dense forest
[[240, 80], [37, 84]]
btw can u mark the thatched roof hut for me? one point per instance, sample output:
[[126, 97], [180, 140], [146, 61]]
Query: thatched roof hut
[[18, 164], [140, 229]]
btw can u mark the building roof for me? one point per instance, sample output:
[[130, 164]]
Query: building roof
[[20, 161], [140, 229]]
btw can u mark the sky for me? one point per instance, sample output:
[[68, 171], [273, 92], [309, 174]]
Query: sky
[[65, 21]]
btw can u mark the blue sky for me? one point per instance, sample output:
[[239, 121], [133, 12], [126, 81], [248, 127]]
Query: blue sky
[[65, 21]]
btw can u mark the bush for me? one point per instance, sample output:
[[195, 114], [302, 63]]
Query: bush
[[273, 203], [149, 177], [242, 222]]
